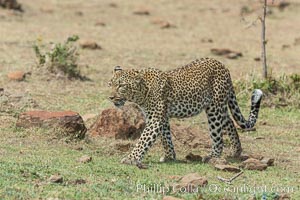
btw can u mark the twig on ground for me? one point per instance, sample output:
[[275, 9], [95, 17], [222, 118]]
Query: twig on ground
[[228, 181]]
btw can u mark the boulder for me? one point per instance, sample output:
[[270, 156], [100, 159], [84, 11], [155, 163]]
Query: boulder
[[69, 121], [127, 122]]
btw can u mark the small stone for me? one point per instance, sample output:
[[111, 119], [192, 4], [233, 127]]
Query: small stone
[[193, 157], [79, 13], [56, 178], [226, 52], [227, 168], [207, 40], [16, 75], [113, 5], [171, 198], [268, 161], [253, 164], [297, 149], [90, 45], [141, 11], [256, 58], [100, 23], [85, 159]]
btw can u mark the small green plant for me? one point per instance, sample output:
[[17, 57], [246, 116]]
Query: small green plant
[[61, 59]]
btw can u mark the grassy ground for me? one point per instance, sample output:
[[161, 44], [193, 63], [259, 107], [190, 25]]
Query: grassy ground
[[29, 157]]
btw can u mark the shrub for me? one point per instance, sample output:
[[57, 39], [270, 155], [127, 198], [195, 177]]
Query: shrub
[[61, 59]]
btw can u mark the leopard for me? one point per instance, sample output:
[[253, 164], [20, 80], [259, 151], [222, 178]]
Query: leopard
[[202, 85]]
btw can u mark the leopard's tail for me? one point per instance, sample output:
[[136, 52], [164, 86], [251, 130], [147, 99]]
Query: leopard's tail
[[236, 113]]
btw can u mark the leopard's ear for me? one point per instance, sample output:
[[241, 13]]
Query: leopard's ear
[[117, 68]]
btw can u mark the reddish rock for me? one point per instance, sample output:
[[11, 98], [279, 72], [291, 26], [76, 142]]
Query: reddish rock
[[69, 121], [89, 45], [254, 164], [227, 168], [121, 123], [16, 75], [190, 183]]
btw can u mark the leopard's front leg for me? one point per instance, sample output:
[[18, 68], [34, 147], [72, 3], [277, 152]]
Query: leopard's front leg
[[148, 137]]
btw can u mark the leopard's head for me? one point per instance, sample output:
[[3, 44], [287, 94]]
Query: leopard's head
[[127, 85]]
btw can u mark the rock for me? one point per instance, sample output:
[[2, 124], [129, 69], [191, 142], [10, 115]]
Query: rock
[[16, 75], [171, 198], [162, 23], [227, 168], [268, 161], [226, 53], [141, 11], [127, 122], [79, 13], [56, 178], [89, 45], [256, 58], [113, 5], [100, 23], [190, 183], [192, 157], [85, 159], [207, 40], [71, 122], [297, 41], [11, 4], [253, 164]]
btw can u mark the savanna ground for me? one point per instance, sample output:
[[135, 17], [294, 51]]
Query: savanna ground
[[28, 157]]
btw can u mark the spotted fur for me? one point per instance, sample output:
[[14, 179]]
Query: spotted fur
[[203, 84]]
